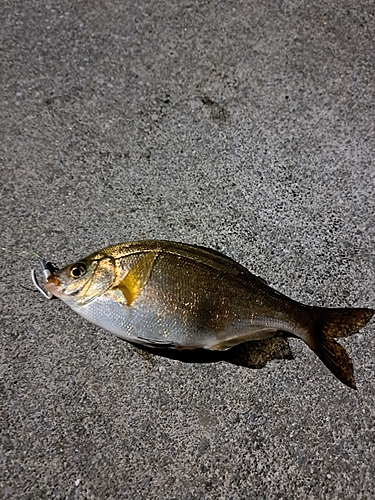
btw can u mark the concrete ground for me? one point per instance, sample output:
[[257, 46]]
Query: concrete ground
[[247, 127]]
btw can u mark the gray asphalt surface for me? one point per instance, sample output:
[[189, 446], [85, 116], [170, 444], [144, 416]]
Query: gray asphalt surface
[[247, 127]]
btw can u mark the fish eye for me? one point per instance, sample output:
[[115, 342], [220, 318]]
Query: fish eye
[[77, 270]]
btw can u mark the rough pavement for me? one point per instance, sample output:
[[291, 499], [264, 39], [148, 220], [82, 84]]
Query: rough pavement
[[242, 126]]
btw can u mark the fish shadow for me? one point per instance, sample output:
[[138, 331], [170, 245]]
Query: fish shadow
[[255, 354]]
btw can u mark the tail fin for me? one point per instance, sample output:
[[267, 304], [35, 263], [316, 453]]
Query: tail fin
[[335, 323]]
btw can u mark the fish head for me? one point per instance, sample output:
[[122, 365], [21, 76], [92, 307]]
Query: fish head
[[81, 282]]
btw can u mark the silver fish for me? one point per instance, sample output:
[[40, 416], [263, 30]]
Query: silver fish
[[172, 295]]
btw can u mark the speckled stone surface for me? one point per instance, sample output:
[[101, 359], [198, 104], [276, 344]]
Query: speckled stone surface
[[247, 127]]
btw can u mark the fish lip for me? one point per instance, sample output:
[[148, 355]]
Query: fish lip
[[51, 285], [53, 280]]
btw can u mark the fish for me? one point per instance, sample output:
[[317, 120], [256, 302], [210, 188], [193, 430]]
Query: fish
[[165, 294]]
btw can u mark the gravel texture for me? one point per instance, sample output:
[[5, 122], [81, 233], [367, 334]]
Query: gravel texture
[[243, 126]]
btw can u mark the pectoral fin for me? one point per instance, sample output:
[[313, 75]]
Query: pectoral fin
[[133, 283]]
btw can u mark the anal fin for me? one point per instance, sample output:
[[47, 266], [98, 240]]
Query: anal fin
[[256, 334]]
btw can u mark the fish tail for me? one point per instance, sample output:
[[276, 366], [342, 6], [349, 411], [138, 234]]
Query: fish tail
[[329, 324]]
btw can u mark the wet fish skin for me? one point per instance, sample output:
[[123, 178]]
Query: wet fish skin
[[167, 294]]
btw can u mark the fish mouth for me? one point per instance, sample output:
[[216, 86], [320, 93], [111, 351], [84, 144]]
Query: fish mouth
[[51, 285], [48, 270], [53, 279]]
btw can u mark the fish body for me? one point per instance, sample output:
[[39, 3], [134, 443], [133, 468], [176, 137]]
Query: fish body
[[173, 295]]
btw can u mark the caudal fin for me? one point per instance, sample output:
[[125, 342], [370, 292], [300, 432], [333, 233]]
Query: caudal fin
[[335, 323]]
